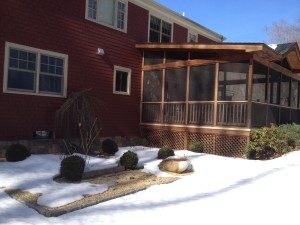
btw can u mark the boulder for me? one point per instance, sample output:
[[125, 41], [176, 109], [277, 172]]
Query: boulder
[[175, 165]]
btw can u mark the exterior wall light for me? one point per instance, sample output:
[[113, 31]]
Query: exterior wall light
[[101, 51]]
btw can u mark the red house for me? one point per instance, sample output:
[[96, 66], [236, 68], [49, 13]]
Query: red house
[[52, 48]]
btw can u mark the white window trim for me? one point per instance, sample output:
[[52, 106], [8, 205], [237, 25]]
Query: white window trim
[[104, 24], [123, 69], [161, 17], [9, 45]]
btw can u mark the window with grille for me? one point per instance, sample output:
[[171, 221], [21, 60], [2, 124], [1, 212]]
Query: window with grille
[[112, 13], [160, 30], [34, 71]]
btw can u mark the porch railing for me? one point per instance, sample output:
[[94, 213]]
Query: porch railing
[[151, 112], [174, 113], [232, 113], [201, 113]]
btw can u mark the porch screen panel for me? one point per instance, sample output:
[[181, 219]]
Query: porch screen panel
[[202, 82], [175, 84], [152, 87], [153, 57], [295, 114], [285, 90], [259, 89], [233, 81], [176, 56], [294, 93], [273, 87]]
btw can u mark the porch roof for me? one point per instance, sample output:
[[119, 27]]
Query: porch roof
[[291, 52]]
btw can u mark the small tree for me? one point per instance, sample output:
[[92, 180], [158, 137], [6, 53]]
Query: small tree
[[78, 117], [284, 32]]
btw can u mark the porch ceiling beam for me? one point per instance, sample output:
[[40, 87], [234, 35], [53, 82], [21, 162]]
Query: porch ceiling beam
[[257, 48], [195, 62], [243, 47]]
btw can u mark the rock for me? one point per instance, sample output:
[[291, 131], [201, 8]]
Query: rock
[[175, 165]]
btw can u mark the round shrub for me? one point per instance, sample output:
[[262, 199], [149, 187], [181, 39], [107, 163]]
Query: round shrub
[[165, 152], [141, 142], [16, 152], [109, 146], [72, 167], [196, 147], [129, 160]]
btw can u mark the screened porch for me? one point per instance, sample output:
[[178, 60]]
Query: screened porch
[[206, 88]]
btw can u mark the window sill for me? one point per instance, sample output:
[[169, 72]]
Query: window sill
[[34, 94], [106, 25]]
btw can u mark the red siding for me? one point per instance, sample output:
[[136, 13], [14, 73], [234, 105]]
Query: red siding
[[138, 23], [204, 40], [180, 34], [60, 26]]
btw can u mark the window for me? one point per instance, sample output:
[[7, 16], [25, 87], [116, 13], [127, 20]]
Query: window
[[160, 31], [112, 13], [92, 9], [122, 77], [192, 38], [34, 71]]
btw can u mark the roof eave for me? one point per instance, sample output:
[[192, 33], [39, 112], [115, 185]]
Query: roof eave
[[180, 19]]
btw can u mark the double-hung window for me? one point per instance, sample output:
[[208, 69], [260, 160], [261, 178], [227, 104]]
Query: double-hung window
[[160, 30], [34, 71], [112, 13], [122, 79]]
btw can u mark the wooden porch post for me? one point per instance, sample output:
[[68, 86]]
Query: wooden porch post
[[163, 99], [249, 94], [142, 88], [216, 94], [187, 96], [163, 89], [187, 104]]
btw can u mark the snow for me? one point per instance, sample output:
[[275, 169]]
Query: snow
[[220, 191], [273, 46]]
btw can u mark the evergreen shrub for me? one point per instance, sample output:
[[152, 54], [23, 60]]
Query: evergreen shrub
[[16, 152], [266, 143], [165, 152], [72, 168], [110, 146], [196, 147], [129, 160], [141, 142]]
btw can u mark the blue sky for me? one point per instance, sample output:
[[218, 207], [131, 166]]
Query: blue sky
[[237, 20]]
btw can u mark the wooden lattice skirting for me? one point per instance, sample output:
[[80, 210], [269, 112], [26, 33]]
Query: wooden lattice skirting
[[219, 143]]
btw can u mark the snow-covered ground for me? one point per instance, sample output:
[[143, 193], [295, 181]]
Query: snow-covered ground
[[220, 191]]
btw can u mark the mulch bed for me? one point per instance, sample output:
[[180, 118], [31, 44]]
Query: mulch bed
[[121, 183]]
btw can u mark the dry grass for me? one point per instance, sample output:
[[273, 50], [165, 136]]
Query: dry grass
[[121, 184]]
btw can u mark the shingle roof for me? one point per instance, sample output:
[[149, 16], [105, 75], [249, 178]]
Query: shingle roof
[[284, 48]]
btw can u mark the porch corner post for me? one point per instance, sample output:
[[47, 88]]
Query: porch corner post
[[142, 89], [187, 97], [249, 94], [163, 90], [216, 94]]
